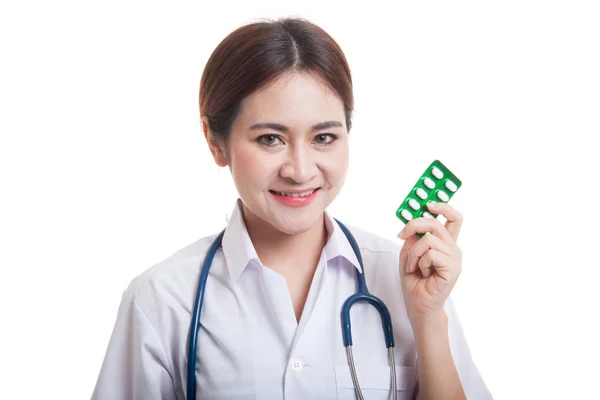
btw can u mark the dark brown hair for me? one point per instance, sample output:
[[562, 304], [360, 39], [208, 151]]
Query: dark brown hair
[[255, 55]]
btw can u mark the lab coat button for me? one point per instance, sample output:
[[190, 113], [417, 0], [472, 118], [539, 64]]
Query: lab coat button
[[296, 364]]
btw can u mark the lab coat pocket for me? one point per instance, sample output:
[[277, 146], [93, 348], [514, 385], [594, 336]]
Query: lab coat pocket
[[375, 381]]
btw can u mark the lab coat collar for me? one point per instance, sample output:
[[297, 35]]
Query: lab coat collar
[[237, 246], [338, 244], [239, 250]]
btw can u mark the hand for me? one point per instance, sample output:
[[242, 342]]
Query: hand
[[430, 265]]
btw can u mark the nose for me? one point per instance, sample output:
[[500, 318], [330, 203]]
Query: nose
[[300, 165]]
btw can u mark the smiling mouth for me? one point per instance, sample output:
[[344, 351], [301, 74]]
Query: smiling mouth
[[299, 194]]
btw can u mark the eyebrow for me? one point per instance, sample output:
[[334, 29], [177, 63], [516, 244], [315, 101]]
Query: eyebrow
[[285, 129]]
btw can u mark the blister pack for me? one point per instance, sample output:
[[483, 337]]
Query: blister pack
[[437, 184]]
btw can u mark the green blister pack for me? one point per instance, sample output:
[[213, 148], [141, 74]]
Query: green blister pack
[[437, 184]]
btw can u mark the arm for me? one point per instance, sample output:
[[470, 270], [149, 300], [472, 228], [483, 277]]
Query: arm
[[429, 268], [438, 376], [135, 364]]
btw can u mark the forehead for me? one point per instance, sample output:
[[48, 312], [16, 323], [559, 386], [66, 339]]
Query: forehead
[[297, 100]]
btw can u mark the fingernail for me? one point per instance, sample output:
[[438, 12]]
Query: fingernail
[[401, 234], [432, 204]]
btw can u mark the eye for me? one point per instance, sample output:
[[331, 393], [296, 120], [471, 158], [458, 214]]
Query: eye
[[325, 138], [269, 140]]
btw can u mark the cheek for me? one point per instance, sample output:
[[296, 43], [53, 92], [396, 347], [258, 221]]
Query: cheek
[[248, 165], [337, 166]]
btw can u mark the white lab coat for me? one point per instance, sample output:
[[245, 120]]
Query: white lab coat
[[250, 345]]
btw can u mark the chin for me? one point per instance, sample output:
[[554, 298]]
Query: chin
[[294, 226]]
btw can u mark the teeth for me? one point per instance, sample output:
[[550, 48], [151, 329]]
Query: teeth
[[295, 194]]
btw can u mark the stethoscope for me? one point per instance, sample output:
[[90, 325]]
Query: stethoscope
[[362, 294]]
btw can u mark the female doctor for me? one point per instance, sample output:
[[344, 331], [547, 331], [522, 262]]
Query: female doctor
[[276, 102]]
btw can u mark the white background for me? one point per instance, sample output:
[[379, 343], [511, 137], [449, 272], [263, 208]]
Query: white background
[[105, 171]]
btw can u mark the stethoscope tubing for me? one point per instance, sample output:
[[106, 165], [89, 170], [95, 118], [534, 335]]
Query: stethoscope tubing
[[195, 325], [361, 295]]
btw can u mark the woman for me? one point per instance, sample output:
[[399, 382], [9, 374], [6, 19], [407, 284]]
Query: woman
[[276, 103]]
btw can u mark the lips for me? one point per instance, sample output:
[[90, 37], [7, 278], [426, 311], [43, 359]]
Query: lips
[[295, 200], [294, 194]]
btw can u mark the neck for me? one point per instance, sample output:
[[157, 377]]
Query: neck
[[283, 252]]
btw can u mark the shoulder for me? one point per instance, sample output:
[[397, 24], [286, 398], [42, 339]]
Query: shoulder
[[380, 254], [174, 275], [374, 243], [380, 259]]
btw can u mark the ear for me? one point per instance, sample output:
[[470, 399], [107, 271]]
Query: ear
[[216, 149]]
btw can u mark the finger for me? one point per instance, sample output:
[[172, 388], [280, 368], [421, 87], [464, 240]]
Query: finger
[[435, 261], [426, 243], [425, 264], [409, 241], [405, 251], [424, 225], [454, 219]]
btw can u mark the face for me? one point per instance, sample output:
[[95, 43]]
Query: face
[[295, 155]]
